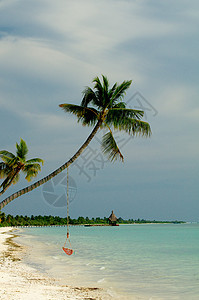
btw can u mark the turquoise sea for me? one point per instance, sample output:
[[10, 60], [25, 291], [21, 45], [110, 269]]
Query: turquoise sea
[[159, 261]]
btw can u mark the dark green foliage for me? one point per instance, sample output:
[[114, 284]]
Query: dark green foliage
[[111, 111], [12, 165], [88, 116], [110, 148], [9, 220]]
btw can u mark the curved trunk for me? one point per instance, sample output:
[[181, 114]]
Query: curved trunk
[[9, 182], [53, 174]]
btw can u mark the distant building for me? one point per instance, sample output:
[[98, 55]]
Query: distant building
[[112, 219]]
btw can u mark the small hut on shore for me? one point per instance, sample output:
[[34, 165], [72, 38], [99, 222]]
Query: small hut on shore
[[112, 219]]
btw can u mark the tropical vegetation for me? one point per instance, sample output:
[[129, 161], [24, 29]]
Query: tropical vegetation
[[12, 165], [10, 220], [101, 107]]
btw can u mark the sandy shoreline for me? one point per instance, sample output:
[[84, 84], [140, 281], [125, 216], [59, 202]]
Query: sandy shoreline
[[19, 281]]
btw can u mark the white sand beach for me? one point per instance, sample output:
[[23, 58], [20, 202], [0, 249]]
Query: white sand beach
[[19, 281]]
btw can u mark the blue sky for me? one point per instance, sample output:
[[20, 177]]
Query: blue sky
[[50, 50]]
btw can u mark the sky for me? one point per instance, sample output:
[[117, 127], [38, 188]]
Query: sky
[[50, 51]]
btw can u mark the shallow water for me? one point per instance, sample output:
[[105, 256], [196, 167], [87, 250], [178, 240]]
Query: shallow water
[[159, 261]]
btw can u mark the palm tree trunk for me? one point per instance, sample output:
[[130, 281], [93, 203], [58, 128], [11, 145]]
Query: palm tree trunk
[[9, 182], [56, 172]]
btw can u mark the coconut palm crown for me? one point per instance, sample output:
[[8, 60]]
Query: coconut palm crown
[[101, 107], [12, 165]]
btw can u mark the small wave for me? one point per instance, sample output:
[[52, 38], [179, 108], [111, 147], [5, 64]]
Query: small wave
[[102, 268], [113, 294], [101, 280]]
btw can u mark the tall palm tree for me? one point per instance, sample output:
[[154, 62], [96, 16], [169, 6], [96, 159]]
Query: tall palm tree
[[101, 107], [13, 164]]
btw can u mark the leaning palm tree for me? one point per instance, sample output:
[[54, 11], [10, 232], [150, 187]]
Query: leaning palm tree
[[101, 107], [12, 165]]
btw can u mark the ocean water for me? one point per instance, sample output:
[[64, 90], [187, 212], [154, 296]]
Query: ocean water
[[159, 261]]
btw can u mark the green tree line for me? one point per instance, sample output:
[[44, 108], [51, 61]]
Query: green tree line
[[9, 220]]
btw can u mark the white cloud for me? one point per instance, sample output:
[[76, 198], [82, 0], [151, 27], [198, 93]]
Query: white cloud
[[88, 27], [36, 57], [49, 121]]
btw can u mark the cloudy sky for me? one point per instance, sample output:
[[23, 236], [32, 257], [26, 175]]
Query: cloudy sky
[[50, 50]]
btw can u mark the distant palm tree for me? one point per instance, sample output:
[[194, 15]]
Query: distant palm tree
[[108, 111], [13, 164]]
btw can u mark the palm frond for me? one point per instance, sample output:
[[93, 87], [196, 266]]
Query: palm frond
[[22, 149], [28, 167], [8, 161], [102, 96], [98, 86], [105, 83], [99, 92], [89, 97], [88, 116], [35, 160], [9, 176], [2, 166], [119, 105], [3, 170], [121, 90], [12, 163], [6, 153], [110, 148], [31, 170], [6, 171], [105, 98], [117, 115], [112, 90], [6, 156], [31, 174], [16, 178], [134, 127]]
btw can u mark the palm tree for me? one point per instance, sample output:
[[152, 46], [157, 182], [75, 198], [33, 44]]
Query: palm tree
[[13, 164], [107, 111]]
